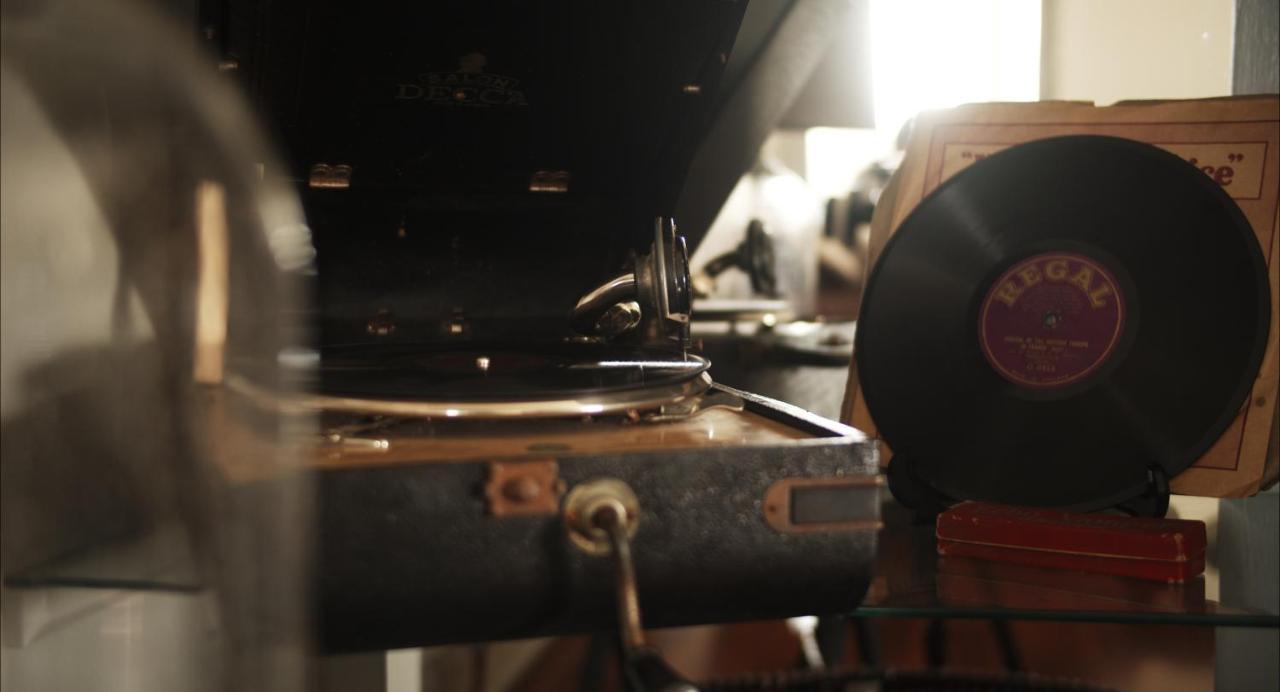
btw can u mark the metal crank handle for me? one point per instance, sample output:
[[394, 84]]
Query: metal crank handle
[[604, 513]]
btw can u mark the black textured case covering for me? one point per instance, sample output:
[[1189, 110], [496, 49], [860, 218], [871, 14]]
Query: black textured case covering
[[409, 555]]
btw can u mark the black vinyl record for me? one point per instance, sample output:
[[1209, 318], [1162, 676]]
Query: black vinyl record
[[497, 372], [1060, 318]]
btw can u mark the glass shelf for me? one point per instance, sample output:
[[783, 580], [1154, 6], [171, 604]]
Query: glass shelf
[[911, 581]]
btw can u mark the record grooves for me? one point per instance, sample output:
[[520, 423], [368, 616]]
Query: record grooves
[[1060, 318], [498, 372]]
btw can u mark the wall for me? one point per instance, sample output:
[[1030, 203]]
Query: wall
[[1106, 51]]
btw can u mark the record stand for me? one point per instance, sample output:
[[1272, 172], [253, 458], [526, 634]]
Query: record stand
[[927, 503]]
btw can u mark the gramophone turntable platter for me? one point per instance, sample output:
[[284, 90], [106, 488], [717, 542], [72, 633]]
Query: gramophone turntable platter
[[501, 381]]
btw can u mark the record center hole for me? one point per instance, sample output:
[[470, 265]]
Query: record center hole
[[1052, 319]]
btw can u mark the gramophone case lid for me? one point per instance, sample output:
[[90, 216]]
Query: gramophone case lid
[[461, 99], [505, 156]]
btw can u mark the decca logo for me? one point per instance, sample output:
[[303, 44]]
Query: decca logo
[[1060, 270], [470, 85]]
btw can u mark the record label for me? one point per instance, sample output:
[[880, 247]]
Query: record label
[[1051, 320]]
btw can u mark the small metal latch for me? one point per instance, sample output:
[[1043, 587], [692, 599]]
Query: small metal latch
[[325, 176], [360, 437], [381, 324], [457, 324], [344, 443], [549, 181], [519, 488]]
